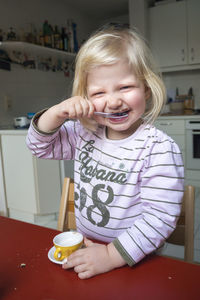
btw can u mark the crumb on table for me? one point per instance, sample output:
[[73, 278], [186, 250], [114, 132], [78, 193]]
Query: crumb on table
[[22, 265]]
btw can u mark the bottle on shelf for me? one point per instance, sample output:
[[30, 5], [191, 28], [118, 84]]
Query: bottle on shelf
[[52, 37], [70, 36], [65, 39], [57, 38], [1, 35], [60, 41], [47, 34], [31, 34], [11, 36], [41, 38], [22, 35], [74, 25]]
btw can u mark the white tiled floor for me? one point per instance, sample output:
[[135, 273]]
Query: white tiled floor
[[51, 224]]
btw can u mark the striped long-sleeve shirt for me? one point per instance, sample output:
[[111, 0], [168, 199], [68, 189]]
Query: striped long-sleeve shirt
[[126, 191]]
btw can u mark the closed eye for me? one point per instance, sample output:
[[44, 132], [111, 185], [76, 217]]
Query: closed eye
[[97, 94], [126, 87]]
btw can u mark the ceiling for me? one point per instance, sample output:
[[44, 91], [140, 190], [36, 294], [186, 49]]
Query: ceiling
[[101, 9]]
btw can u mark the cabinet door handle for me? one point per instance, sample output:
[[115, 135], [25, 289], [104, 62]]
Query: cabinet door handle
[[192, 54], [183, 54], [166, 124], [195, 132]]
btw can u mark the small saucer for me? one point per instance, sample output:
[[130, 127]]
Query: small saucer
[[51, 257]]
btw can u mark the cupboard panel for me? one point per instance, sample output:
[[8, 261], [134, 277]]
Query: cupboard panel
[[193, 8], [167, 33]]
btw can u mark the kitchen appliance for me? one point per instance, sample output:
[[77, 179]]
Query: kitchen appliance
[[21, 122], [193, 144]]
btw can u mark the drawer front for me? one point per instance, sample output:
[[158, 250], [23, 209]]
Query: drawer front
[[171, 126]]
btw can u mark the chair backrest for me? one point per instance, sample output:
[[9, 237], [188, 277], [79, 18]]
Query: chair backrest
[[66, 218], [184, 232]]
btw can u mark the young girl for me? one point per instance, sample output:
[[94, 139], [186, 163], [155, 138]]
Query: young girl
[[128, 174]]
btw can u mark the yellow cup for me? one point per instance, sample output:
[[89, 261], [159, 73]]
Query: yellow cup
[[66, 243]]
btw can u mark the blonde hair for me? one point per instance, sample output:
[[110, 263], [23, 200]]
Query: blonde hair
[[108, 46]]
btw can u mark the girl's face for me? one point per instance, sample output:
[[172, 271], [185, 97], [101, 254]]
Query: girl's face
[[115, 89]]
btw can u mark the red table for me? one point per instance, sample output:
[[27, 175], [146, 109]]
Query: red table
[[156, 277]]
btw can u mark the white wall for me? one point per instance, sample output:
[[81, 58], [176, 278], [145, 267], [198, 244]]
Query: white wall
[[20, 13], [32, 90], [120, 19]]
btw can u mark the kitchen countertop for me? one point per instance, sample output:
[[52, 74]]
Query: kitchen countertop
[[14, 131], [179, 117]]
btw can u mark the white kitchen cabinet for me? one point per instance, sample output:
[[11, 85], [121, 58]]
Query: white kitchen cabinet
[[175, 126], [32, 185], [174, 34], [193, 31], [167, 34], [175, 129]]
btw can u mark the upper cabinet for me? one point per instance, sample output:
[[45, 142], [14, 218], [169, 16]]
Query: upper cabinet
[[174, 34], [193, 8]]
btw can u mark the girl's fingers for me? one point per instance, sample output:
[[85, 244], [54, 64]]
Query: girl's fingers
[[75, 259], [79, 108], [91, 110], [85, 275], [88, 242], [87, 107], [80, 268], [68, 264], [84, 108], [71, 112], [75, 107]]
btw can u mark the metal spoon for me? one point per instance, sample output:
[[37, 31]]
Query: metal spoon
[[108, 115]]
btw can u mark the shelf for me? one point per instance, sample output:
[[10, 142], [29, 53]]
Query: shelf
[[36, 50], [187, 67]]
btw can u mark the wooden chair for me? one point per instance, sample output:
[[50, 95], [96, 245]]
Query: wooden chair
[[184, 232], [66, 218]]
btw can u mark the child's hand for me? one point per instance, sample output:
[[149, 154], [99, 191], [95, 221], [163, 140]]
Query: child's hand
[[75, 108], [72, 108], [94, 259]]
